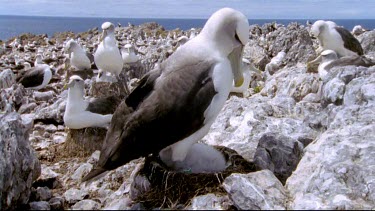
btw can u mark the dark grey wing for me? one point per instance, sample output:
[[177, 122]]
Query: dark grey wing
[[144, 88], [106, 105], [350, 42], [351, 60], [33, 77], [171, 112]]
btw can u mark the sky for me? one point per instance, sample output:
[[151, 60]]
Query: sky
[[202, 9]]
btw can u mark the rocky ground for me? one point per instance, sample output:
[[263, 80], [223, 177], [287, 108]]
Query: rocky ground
[[311, 141]]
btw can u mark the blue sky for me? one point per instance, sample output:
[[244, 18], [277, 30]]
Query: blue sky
[[253, 9]]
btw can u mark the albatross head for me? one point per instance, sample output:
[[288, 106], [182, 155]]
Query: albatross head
[[318, 27], [70, 46], [76, 81], [108, 28], [229, 29]]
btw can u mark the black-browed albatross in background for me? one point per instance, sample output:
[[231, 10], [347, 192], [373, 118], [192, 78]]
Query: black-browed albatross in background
[[336, 38], [36, 77], [176, 103]]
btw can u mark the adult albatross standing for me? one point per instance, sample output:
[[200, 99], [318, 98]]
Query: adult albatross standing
[[176, 103]]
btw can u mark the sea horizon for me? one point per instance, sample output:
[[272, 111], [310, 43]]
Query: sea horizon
[[14, 25]]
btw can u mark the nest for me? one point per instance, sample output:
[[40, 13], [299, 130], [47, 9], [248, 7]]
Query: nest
[[83, 142], [169, 188]]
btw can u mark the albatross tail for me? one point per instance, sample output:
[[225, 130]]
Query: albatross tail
[[95, 173]]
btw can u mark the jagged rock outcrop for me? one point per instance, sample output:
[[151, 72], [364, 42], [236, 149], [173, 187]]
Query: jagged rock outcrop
[[19, 165]]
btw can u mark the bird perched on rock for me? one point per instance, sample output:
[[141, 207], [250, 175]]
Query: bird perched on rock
[[107, 57], [176, 103], [82, 113], [329, 59], [336, 38], [128, 54], [79, 58], [36, 77]]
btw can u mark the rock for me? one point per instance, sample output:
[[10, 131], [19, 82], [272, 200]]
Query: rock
[[39, 205], [7, 78], [279, 154], [47, 178], [94, 158], [259, 190], [367, 41], [86, 204], [55, 112], [56, 203], [43, 194], [210, 202], [27, 108], [336, 170], [19, 166], [333, 92], [74, 195], [82, 171], [43, 96]]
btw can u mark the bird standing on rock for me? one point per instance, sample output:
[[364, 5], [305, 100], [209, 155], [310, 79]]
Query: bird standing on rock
[[78, 57], [176, 103]]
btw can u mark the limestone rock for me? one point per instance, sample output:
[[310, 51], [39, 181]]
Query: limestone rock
[[279, 154], [7, 78], [210, 202], [86, 204], [336, 171], [74, 195], [259, 190], [19, 166], [39, 205]]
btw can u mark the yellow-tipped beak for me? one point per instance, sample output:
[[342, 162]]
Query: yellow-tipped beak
[[235, 58]]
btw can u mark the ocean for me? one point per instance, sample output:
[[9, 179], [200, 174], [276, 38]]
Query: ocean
[[11, 26]]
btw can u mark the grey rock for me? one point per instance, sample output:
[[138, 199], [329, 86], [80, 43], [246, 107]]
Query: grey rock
[[86, 204], [39, 205], [7, 78], [82, 171], [94, 158], [74, 195], [27, 108], [55, 111], [260, 190], [19, 166], [333, 92], [336, 170], [43, 96], [367, 41], [43, 194], [210, 202], [56, 203], [279, 154]]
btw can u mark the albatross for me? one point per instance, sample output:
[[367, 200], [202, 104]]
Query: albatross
[[79, 58], [176, 103], [336, 38], [36, 77], [107, 57], [82, 113]]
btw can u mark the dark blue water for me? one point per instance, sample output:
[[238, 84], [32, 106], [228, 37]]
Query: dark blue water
[[11, 26]]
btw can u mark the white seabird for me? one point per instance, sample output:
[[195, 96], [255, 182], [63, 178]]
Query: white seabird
[[78, 57], [128, 54], [107, 57], [176, 103], [82, 113], [36, 77], [333, 37]]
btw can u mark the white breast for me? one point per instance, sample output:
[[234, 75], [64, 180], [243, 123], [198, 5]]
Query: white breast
[[80, 61], [107, 57]]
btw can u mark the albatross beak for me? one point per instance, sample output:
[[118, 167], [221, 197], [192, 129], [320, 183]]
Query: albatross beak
[[104, 34], [235, 61]]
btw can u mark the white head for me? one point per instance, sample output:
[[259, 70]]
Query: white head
[[76, 81], [108, 29], [71, 46], [318, 27], [229, 30], [328, 55]]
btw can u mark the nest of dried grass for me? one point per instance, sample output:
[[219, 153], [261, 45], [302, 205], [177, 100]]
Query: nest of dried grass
[[169, 188], [83, 142]]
